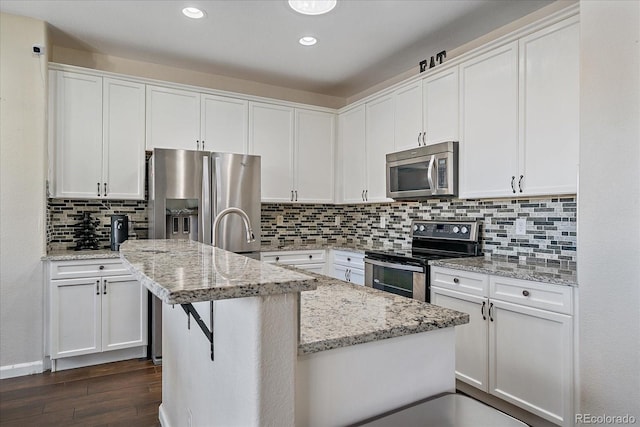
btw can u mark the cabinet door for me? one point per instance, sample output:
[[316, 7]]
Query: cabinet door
[[123, 135], [351, 128], [380, 134], [440, 106], [225, 122], [315, 132], [408, 116], [549, 109], [173, 118], [530, 356], [472, 338], [75, 316], [124, 313], [271, 136], [356, 276], [489, 123], [78, 136]]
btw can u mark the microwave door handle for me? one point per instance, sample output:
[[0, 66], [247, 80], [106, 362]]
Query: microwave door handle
[[430, 172]]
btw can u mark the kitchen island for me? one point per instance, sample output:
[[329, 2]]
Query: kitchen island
[[289, 348]]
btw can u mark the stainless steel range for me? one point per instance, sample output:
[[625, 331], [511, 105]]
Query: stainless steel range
[[406, 273]]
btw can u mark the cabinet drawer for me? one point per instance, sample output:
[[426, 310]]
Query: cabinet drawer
[[349, 259], [461, 281], [294, 257], [87, 268], [532, 294]]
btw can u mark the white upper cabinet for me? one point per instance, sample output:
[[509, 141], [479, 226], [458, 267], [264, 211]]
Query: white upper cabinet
[[173, 118], [489, 123], [440, 107], [379, 124], [351, 134], [271, 137], [408, 129], [98, 137], [296, 147], [549, 110], [78, 136], [314, 142], [520, 116], [123, 162], [225, 124]]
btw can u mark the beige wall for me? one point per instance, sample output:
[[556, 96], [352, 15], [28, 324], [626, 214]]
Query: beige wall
[[23, 95], [609, 208], [149, 70]]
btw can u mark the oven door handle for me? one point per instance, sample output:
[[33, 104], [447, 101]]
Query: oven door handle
[[403, 267]]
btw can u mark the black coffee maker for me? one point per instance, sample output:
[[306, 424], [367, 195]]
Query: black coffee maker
[[119, 230]]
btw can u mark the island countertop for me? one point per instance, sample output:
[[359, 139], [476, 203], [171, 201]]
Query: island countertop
[[184, 271], [340, 314]]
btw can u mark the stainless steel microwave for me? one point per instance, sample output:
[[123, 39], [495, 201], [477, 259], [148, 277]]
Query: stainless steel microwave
[[423, 172]]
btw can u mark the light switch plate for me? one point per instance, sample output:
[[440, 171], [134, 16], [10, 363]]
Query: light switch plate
[[383, 222], [521, 226], [279, 220], [337, 220]]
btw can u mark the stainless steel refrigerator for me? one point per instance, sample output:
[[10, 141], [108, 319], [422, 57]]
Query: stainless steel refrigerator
[[187, 190]]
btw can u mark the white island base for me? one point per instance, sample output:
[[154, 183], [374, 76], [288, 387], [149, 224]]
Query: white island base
[[257, 378]]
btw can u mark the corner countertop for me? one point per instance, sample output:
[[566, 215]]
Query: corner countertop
[[340, 314], [535, 271], [184, 271]]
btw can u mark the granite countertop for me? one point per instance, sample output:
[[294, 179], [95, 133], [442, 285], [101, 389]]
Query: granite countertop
[[340, 314], [72, 255], [535, 271], [184, 271]]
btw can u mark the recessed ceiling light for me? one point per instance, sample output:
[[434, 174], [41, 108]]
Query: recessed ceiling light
[[308, 41], [312, 7], [193, 12]]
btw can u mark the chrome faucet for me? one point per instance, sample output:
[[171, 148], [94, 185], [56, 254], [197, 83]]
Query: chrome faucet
[[245, 219]]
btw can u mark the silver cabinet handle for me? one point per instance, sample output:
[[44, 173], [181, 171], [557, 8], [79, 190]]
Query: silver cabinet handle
[[363, 195], [520, 183], [104, 289], [525, 293], [104, 186], [97, 287], [203, 144], [366, 195], [482, 310], [197, 144], [98, 189], [296, 192], [513, 178], [292, 195], [419, 144], [424, 136], [490, 314]]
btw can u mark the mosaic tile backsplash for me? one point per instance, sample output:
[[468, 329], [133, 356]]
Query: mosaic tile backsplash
[[550, 223]]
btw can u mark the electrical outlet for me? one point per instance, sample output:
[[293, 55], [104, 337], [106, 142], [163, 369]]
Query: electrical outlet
[[279, 220], [521, 226], [383, 222], [337, 220]]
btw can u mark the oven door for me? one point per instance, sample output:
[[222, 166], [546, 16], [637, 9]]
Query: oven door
[[400, 279]]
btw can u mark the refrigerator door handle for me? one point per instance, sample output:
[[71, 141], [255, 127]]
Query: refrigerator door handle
[[204, 235]]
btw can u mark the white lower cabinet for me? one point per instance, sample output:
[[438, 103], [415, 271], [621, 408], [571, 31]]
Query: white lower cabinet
[[348, 266], [518, 344], [101, 312], [310, 260]]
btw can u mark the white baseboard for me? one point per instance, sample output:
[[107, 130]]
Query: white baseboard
[[21, 369], [98, 358]]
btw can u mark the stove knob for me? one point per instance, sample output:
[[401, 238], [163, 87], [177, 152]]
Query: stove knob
[[465, 230], [415, 228], [422, 228], [456, 229]]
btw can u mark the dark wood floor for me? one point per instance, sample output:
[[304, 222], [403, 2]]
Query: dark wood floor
[[115, 394]]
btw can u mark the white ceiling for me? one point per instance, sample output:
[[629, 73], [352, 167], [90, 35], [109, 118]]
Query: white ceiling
[[360, 43]]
